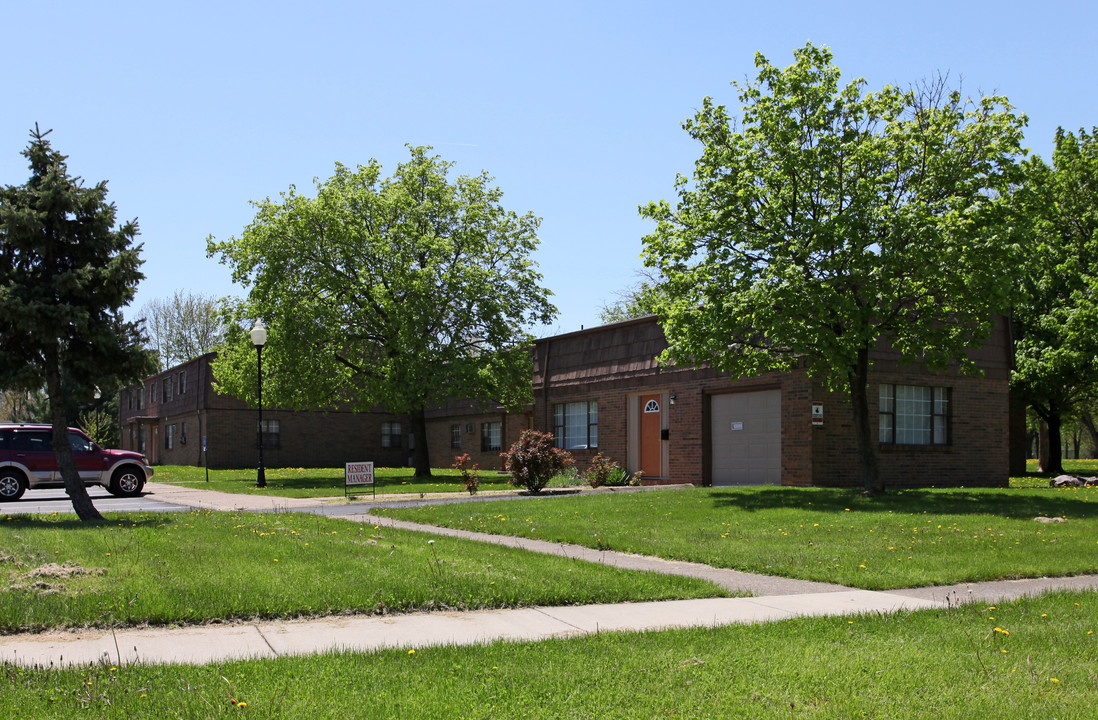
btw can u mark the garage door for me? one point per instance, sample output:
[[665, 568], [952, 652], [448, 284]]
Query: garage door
[[746, 433]]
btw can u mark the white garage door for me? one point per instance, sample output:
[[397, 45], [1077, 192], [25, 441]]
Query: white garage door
[[747, 438]]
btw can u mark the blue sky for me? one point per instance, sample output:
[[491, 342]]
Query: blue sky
[[191, 110]]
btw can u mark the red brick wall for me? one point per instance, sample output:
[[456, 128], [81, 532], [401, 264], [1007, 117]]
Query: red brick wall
[[610, 363]]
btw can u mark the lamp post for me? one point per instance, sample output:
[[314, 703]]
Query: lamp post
[[259, 339]]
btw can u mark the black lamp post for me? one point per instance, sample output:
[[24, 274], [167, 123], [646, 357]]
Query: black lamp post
[[259, 339]]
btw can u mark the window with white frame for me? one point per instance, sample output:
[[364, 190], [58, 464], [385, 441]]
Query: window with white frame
[[455, 437], [576, 425], [272, 433], [913, 415], [491, 436], [390, 434], [169, 437]]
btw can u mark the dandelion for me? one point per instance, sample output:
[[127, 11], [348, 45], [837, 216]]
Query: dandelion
[[1055, 680], [412, 652]]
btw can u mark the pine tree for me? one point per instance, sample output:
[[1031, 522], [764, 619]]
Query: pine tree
[[66, 272]]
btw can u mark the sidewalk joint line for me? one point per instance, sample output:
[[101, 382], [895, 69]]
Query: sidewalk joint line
[[268, 642]]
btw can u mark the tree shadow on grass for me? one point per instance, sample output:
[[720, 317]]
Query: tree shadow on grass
[[1014, 504], [110, 521]]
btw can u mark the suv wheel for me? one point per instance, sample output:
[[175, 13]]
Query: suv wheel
[[12, 485], [127, 482]]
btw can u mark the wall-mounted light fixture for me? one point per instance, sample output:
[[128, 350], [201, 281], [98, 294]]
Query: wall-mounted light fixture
[[673, 398]]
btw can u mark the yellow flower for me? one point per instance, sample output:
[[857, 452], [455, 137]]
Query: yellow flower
[[411, 652], [1053, 680]]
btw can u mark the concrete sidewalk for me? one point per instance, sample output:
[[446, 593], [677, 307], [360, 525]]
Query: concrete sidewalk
[[774, 598]]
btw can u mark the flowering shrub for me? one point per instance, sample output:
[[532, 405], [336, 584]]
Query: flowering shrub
[[604, 471], [468, 474], [533, 461], [601, 470]]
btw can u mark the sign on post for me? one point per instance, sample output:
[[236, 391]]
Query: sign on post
[[358, 473]]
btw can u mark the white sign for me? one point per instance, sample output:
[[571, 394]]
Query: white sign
[[737, 426], [360, 473], [817, 413]]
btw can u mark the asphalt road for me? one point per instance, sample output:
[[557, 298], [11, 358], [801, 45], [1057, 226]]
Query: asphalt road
[[54, 500]]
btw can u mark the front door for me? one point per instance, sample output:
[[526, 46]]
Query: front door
[[650, 443]]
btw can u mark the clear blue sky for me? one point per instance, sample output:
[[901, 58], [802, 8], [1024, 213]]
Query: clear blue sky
[[191, 110]]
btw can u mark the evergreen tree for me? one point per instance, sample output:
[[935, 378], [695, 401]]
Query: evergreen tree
[[66, 272]]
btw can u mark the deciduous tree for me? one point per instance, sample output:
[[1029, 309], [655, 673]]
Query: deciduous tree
[[183, 327], [66, 272], [1056, 316], [399, 292], [829, 219]]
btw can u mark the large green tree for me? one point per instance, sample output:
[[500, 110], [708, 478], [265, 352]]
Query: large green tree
[[1056, 316], [829, 219], [66, 272], [399, 292]]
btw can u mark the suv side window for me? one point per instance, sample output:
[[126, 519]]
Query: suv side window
[[33, 441], [79, 443], [5, 439]]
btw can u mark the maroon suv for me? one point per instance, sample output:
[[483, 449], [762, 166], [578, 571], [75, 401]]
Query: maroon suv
[[27, 461]]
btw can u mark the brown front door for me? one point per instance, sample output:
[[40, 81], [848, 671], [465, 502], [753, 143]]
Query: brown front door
[[650, 444]]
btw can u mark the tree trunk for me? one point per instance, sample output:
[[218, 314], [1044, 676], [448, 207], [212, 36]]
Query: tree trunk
[[421, 455], [1088, 422], [1053, 462], [863, 430], [62, 450]]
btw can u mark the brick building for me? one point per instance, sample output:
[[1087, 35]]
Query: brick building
[[169, 415], [600, 390]]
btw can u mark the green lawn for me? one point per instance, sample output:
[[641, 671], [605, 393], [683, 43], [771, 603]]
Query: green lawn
[[1034, 658], [191, 567], [901, 539], [1032, 478], [321, 482], [328, 482]]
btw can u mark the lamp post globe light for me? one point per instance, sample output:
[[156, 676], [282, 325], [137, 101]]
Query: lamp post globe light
[[259, 339]]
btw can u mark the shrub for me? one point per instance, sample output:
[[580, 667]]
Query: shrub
[[533, 461], [468, 474], [601, 470]]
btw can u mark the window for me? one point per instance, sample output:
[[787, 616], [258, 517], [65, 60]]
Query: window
[[141, 398], [913, 415], [455, 437], [272, 433], [34, 441], [182, 383], [167, 389], [576, 425], [144, 438], [169, 437], [79, 443], [390, 435], [490, 436], [183, 435]]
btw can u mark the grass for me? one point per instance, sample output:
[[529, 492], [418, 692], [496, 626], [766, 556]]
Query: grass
[[1035, 479], [199, 566], [1024, 659], [320, 482], [901, 539], [328, 482]]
